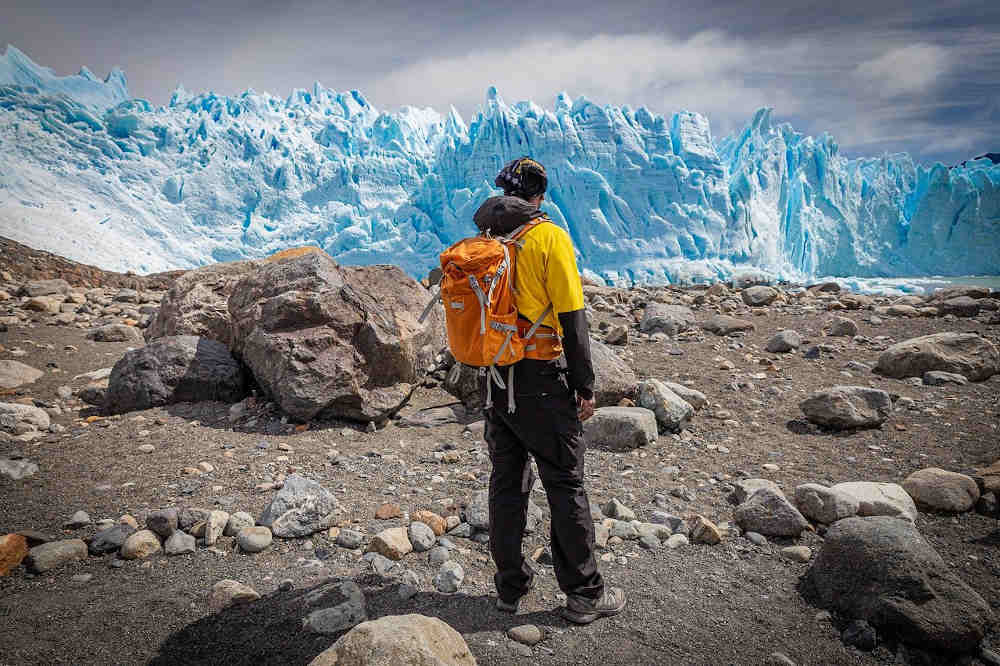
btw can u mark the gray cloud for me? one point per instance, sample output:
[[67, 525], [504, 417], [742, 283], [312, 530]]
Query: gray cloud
[[882, 76]]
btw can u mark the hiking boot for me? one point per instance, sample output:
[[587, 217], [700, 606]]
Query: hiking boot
[[511, 607], [582, 610]]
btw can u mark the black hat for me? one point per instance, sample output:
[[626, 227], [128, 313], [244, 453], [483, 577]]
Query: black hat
[[523, 178]]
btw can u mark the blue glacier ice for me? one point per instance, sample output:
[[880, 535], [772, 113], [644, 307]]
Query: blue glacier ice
[[98, 176]]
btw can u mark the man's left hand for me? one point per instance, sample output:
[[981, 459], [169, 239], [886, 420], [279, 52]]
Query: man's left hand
[[584, 408]]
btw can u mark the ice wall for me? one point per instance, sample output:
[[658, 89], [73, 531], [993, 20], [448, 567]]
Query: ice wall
[[90, 173]]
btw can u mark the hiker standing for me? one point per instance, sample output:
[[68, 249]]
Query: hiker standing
[[535, 406]]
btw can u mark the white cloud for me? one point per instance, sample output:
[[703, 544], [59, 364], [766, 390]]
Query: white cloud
[[909, 69]]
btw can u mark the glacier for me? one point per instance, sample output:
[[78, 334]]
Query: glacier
[[98, 176]]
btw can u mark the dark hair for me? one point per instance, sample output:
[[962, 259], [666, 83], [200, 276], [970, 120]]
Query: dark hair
[[524, 178]]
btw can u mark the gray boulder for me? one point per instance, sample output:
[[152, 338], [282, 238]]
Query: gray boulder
[[694, 398], [115, 333], [881, 570], [960, 306], [723, 325], [176, 369], [936, 489], [843, 327], [744, 488], [620, 428], [197, 303], [940, 378], [759, 296], [665, 318], [672, 412], [880, 499], [15, 373], [54, 554], [302, 507], [843, 407], [35, 288], [110, 540], [965, 354], [784, 341], [17, 419], [613, 378], [825, 505], [325, 340], [346, 608], [770, 513]]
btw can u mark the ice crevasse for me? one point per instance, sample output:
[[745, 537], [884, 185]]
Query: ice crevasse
[[91, 173]]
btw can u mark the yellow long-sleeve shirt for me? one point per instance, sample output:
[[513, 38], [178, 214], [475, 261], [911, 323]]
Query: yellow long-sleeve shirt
[[546, 273]]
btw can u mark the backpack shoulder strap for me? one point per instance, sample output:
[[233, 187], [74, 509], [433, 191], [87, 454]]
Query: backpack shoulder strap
[[519, 233]]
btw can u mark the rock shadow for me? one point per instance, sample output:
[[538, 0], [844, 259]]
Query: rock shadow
[[270, 630]]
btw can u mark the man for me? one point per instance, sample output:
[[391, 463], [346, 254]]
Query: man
[[552, 398]]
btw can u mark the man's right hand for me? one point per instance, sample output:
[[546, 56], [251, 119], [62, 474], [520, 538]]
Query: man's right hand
[[584, 408]]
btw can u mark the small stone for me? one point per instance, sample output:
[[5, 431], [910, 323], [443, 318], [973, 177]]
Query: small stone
[[82, 578], [13, 550], [438, 556], [780, 659], [677, 541], [237, 522], [388, 511], [146, 448], [615, 509], [179, 543], [78, 520], [140, 545], [528, 634], [206, 467], [797, 553], [110, 540], [393, 543], [228, 592], [215, 525], [702, 530], [421, 536], [254, 539], [433, 520], [449, 577], [756, 538], [379, 564], [129, 520], [861, 635], [463, 531], [349, 539]]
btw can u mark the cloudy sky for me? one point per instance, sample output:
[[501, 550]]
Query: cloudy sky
[[880, 75]]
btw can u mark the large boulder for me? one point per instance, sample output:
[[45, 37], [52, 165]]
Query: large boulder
[[724, 325], [666, 318], [843, 407], [197, 303], [965, 354], [672, 412], [620, 428], [302, 507], [328, 340], [613, 378], [45, 288], [463, 382], [759, 296], [880, 499], [882, 570], [770, 513], [940, 490], [825, 505], [176, 369], [15, 373], [398, 640], [960, 306], [17, 418], [115, 333]]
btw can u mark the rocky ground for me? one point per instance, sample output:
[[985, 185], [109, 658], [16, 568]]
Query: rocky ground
[[735, 602]]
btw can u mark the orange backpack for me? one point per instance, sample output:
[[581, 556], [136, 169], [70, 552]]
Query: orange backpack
[[477, 291]]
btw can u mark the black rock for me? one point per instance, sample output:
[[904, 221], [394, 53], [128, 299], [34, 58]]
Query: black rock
[[861, 635], [110, 540]]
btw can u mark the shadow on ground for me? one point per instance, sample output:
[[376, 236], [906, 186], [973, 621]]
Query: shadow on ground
[[270, 630]]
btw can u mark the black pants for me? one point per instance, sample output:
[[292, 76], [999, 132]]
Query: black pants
[[544, 425]]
